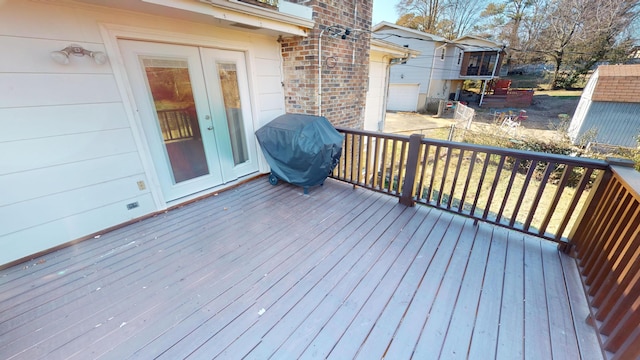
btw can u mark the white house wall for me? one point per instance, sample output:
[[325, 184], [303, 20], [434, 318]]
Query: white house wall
[[72, 155], [376, 95], [575, 126], [416, 70]]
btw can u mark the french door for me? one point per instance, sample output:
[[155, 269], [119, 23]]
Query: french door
[[195, 112]]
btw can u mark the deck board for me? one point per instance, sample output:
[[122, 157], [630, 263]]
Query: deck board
[[268, 272], [536, 318], [511, 326], [458, 335]]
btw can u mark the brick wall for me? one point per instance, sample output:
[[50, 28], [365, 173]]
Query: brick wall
[[345, 63]]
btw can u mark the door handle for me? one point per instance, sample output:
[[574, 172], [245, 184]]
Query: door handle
[[210, 128]]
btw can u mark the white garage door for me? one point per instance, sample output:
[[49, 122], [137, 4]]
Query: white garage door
[[403, 97]]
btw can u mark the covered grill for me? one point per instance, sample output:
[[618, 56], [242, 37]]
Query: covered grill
[[301, 149]]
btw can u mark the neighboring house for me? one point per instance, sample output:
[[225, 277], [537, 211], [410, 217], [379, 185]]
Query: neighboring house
[[383, 56], [441, 68], [609, 107], [156, 105], [475, 59]]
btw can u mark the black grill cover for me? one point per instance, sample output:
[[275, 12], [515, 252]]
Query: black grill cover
[[301, 149]]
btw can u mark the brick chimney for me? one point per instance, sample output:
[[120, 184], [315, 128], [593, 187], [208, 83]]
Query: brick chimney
[[344, 61]]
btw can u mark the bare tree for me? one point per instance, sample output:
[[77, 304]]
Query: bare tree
[[421, 15], [459, 17], [448, 18], [584, 32], [508, 17]]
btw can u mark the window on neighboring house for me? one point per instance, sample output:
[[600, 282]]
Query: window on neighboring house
[[459, 57], [443, 51]]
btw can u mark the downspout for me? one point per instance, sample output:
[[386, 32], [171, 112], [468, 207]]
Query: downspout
[[433, 65], [493, 74], [320, 72], [355, 25], [386, 92]]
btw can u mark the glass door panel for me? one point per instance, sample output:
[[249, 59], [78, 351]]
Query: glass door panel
[[170, 86], [228, 76], [228, 85]]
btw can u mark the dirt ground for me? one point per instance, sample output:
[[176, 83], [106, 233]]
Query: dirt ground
[[542, 121]]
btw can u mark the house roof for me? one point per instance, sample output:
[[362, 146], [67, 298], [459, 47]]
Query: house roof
[[417, 33], [617, 83], [392, 49], [477, 43]]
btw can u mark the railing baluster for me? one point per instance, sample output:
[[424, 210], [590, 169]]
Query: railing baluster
[[507, 192], [523, 192], [487, 159], [494, 186], [383, 164], [376, 164], [367, 169], [391, 165], [353, 167], [582, 185], [466, 183], [568, 169], [455, 178], [536, 200], [413, 156], [423, 170], [401, 167], [360, 158], [444, 176], [433, 173]]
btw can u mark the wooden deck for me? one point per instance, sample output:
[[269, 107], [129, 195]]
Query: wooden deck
[[263, 272]]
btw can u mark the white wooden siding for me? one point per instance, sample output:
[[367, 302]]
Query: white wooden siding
[[18, 90], [47, 235], [416, 70], [46, 181], [58, 150], [35, 122], [70, 161], [376, 96]]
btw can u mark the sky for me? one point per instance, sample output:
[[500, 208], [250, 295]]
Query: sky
[[384, 10]]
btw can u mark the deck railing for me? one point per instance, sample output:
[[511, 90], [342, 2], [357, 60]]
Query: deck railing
[[607, 245], [536, 193], [585, 205]]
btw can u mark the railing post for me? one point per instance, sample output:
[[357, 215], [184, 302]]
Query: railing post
[[406, 198]]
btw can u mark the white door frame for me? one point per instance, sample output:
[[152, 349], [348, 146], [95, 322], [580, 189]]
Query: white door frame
[[110, 35]]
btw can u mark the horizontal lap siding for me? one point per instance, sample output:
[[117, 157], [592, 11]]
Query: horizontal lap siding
[[69, 160]]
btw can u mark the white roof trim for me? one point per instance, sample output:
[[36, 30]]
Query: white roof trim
[[417, 33]]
